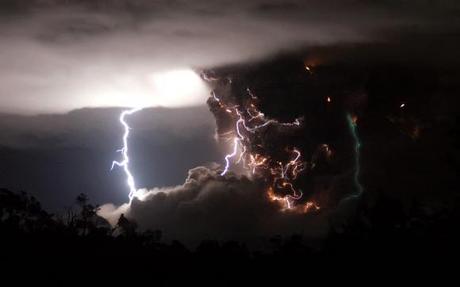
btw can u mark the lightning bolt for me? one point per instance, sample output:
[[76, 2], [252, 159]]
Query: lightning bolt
[[230, 155], [353, 129], [248, 121], [125, 155]]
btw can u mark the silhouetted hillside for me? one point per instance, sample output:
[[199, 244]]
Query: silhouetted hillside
[[79, 245]]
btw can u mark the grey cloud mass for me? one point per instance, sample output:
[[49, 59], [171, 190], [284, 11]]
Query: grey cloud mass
[[61, 55], [209, 206]]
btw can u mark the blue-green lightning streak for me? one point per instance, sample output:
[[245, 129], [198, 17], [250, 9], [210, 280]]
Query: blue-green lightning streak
[[353, 129]]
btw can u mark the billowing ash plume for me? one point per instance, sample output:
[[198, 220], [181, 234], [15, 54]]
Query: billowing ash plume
[[263, 146], [271, 182], [210, 206]]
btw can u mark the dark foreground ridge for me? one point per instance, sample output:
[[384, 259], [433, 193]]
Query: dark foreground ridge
[[80, 246]]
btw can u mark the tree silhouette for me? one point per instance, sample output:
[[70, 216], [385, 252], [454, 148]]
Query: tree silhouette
[[88, 219], [126, 227]]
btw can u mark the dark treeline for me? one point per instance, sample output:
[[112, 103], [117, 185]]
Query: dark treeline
[[78, 245]]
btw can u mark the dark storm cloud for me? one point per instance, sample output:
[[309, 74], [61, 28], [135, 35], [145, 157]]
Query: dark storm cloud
[[60, 55], [229, 207]]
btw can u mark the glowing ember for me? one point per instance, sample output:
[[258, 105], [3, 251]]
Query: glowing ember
[[311, 206]]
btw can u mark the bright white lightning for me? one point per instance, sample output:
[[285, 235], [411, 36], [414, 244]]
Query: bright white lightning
[[228, 156], [175, 88], [236, 142], [124, 151]]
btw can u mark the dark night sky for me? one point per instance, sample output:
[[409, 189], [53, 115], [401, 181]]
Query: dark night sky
[[68, 66], [56, 157]]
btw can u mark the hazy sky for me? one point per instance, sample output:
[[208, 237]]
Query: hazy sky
[[58, 55]]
